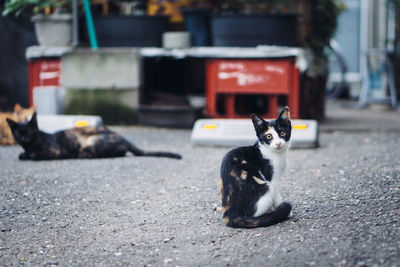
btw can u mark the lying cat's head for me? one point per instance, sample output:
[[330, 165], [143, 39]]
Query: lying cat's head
[[274, 135], [25, 132]]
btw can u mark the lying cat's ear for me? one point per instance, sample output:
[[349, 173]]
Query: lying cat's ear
[[11, 123], [33, 121], [17, 109], [285, 114], [259, 124]]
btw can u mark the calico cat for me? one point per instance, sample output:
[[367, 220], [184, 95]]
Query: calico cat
[[249, 177], [20, 114], [82, 142]]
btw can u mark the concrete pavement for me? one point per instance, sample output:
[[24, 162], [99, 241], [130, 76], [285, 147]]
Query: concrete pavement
[[155, 212], [346, 116]]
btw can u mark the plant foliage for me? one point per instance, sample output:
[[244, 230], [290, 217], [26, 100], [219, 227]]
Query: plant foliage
[[34, 6]]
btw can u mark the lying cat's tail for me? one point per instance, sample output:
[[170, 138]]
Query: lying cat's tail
[[280, 214], [138, 152]]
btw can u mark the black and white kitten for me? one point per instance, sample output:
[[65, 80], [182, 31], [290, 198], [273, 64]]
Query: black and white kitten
[[250, 176]]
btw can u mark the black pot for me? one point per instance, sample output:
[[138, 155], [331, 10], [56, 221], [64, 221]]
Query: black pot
[[253, 30], [140, 31]]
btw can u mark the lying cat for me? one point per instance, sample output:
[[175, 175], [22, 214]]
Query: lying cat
[[20, 114], [84, 142], [250, 176]]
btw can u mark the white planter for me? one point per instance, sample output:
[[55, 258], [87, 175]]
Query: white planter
[[53, 30], [172, 40]]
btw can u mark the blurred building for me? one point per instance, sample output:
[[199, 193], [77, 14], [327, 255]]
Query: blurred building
[[363, 25]]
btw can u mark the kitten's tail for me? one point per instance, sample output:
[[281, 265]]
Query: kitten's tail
[[138, 152], [280, 214]]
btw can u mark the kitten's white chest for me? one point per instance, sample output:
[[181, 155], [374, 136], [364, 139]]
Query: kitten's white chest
[[272, 197]]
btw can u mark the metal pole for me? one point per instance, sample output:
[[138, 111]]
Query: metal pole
[[364, 21], [75, 23], [90, 25]]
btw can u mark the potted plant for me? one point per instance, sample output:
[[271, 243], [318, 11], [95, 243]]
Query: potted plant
[[249, 23], [52, 19], [324, 18]]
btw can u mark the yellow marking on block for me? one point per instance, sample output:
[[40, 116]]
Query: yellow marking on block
[[300, 127], [81, 123], [210, 126]]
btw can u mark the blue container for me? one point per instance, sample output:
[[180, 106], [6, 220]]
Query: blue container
[[197, 23]]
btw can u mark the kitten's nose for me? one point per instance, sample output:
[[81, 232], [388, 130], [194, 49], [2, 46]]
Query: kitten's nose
[[278, 144]]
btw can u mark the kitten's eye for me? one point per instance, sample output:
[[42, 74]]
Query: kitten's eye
[[282, 134], [269, 136]]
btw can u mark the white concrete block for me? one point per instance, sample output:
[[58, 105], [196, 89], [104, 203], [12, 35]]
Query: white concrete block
[[106, 68], [240, 132], [54, 123]]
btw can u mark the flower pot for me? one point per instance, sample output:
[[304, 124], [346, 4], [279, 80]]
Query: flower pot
[[53, 30], [140, 31], [253, 30]]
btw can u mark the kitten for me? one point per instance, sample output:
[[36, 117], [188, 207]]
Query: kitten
[[20, 114], [249, 177], [83, 142]]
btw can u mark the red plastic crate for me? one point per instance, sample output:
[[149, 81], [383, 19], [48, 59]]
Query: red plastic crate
[[43, 72], [270, 77]]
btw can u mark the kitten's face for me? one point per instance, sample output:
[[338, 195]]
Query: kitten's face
[[24, 133], [274, 135]]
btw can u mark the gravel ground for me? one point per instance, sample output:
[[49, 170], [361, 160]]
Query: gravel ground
[[149, 211]]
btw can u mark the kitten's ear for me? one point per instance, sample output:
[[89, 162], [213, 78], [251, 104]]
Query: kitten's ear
[[11, 123], [33, 121], [259, 123], [17, 109], [285, 114]]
